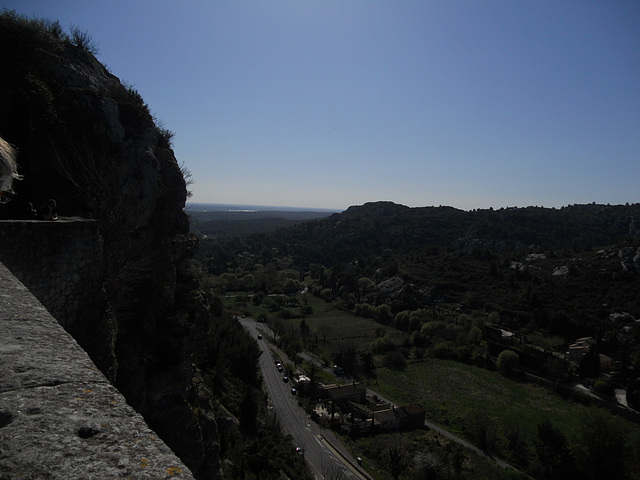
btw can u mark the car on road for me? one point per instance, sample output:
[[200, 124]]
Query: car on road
[[293, 391], [259, 336], [285, 379]]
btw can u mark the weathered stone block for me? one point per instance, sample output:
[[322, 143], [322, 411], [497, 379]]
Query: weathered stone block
[[59, 416]]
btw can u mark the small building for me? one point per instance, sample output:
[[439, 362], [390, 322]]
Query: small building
[[386, 420], [580, 348], [399, 418], [339, 394], [303, 385], [411, 416]]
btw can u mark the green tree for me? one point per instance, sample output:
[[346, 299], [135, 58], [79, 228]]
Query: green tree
[[508, 362], [397, 461], [517, 444], [324, 330], [395, 360], [248, 412], [401, 321], [257, 298], [554, 457], [383, 314], [366, 360], [304, 330], [230, 281], [347, 356], [364, 310], [247, 282], [600, 445], [474, 336], [291, 286], [483, 430], [364, 284]]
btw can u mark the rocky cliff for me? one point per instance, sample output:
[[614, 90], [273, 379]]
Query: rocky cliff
[[90, 143]]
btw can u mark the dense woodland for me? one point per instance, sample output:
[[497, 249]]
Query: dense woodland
[[500, 262]]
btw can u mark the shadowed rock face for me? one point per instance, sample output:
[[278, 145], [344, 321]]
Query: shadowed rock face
[[89, 142]]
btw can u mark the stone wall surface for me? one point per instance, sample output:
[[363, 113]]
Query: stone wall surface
[[59, 261], [59, 416]]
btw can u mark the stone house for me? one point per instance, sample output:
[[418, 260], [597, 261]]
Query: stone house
[[340, 394], [580, 348], [399, 418]]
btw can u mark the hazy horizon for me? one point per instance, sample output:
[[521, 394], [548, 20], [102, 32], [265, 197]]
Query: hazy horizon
[[191, 205], [251, 207]]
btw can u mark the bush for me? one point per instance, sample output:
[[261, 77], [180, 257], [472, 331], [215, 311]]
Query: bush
[[364, 310], [434, 328], [442, 350], [603, 388], [291, 286], [418, 353], [508, 362], [395, 360], [81, 38], [383, 344]]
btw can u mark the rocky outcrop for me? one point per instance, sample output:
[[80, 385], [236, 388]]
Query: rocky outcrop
[[629, 259], [89, 142]]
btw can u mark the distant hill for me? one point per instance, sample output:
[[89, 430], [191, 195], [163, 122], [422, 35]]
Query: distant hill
[[374, 227], [522, 262]]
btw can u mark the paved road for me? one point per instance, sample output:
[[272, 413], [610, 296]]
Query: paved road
[[324, 453]]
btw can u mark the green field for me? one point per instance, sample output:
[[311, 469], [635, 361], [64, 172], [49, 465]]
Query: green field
[[342, 326], [450, 392], [453, 393]]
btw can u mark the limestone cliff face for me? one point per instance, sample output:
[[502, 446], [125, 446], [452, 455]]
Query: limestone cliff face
[[91, 144]]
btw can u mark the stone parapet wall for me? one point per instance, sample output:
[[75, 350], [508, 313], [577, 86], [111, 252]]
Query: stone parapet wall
[[59, 416], [59, 261]]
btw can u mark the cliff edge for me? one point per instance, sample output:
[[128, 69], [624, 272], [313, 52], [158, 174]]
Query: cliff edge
[[59, 416], [89, 142]]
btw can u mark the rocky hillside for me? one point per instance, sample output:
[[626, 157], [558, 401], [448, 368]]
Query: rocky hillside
[[89, 142], [375, 227]]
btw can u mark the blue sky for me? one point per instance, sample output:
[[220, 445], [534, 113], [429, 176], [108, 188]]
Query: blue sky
[[472, 104]]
